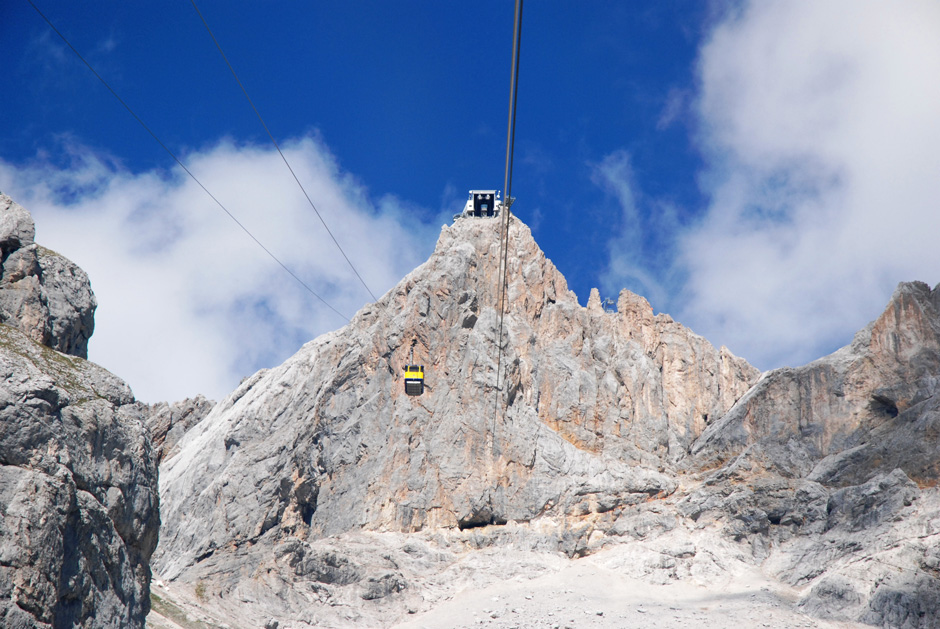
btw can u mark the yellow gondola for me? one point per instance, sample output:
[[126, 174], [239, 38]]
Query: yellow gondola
[[414, 379]]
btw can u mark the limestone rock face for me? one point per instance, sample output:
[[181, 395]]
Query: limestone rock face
[[592, 409], [830, 471], [78, 492], [168, 422], [41, 292], [866, 409], [319, 493]]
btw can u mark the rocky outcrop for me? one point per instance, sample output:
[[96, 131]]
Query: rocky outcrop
[[41, 292], [78, 478], [78, 492], [592, 409], [829, 471], [840, 420], [168, 422]]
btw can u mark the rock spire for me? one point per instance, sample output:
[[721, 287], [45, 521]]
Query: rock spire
[[41, 292]]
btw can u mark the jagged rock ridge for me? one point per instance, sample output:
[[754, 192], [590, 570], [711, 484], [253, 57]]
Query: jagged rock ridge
[[167, 422], [78, 478]]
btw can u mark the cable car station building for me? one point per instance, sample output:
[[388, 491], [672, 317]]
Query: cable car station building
[[481, 204]]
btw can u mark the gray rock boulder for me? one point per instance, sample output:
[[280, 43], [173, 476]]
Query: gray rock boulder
[[17, 228], [41, 292]]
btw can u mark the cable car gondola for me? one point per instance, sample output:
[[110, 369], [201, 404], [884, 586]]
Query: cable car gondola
[[414, 379], [414, 374]]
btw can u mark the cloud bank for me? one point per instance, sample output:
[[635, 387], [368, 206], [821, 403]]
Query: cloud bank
[[819, 126], [187, 302]]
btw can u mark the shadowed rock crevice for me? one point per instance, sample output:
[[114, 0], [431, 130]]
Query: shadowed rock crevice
[[883, 405], [479, 518]]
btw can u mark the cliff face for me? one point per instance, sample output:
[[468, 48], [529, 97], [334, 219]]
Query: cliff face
[[868, 408], [78, 492], [78, 479], [830, 470], [42, 293], [597, 406]]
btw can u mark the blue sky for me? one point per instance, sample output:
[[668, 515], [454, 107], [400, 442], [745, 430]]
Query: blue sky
[[766, 173]]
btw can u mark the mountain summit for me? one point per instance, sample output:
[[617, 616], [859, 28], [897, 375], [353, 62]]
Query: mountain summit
[[320, 494], [594, 407]]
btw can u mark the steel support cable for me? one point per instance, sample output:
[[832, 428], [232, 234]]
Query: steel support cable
[[507, 186], [183, 166], [273, 141]]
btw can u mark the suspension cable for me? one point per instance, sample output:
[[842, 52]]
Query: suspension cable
[[183, 166], [283, 157], [507, 186]]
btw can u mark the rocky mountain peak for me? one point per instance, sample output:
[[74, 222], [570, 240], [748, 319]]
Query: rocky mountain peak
[[845, 417], [41, 292], [594, 408], [331, 486], [909, 328]]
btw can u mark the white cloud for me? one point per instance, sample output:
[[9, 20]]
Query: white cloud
[[187, 302], [674, 108], [819, 122], [640, 256]]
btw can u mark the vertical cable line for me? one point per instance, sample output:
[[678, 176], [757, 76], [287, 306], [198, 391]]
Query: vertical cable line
[[183, 166], [286, 163], [507, 186]]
